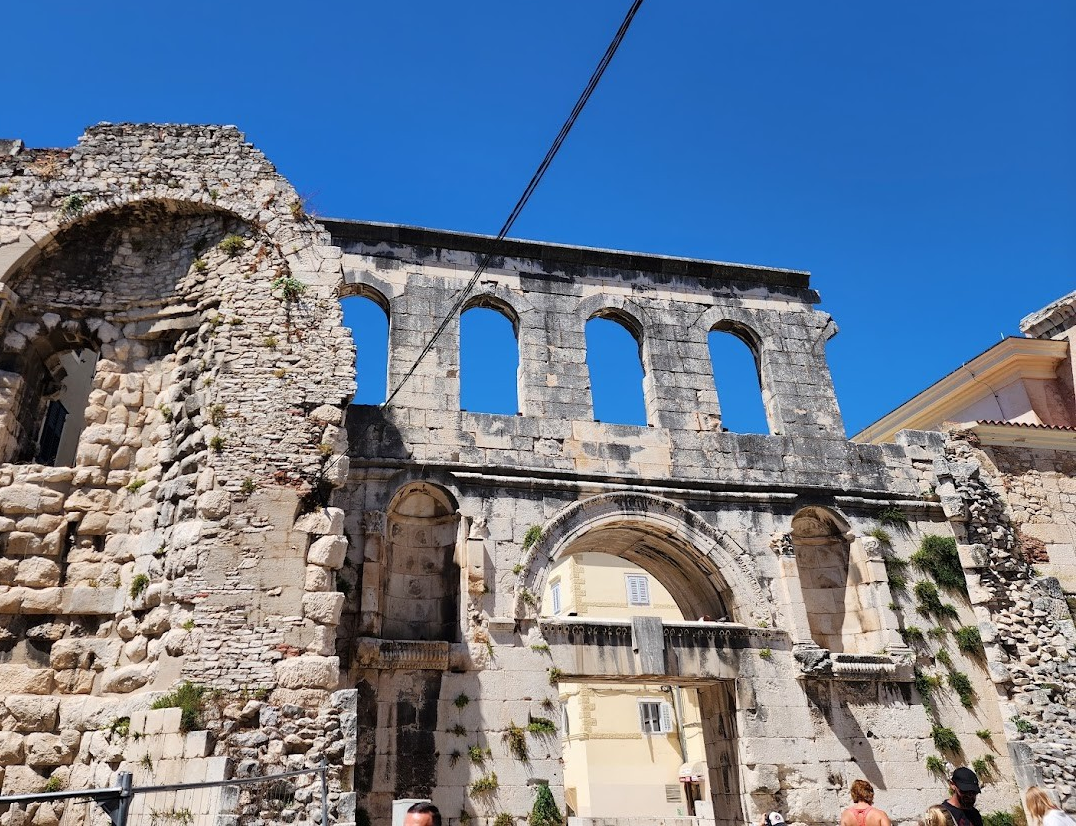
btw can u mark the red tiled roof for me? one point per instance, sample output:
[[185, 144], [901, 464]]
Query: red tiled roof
[[1029, 425]]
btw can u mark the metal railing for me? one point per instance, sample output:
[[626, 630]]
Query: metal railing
[[248, 801]]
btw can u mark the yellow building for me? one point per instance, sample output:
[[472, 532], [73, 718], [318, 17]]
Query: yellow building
[[629, 749]]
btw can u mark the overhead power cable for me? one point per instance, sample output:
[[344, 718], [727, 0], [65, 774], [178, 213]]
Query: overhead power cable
[[536, 178]]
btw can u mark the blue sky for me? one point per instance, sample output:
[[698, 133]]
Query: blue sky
[[916, 157]]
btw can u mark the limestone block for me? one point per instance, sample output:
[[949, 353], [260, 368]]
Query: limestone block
[[92, 601], [128, 678], [318, 579], [45, 750], [156, 622], [33, 713], [135, 649], [16, 678], [323, 641], [42, 600], [94, 523], [326, 414], [322, 522], [308, 672], [329, 552], [38, 572], [11, 600], [214, 504], [8, 569], [23, 543], [74, 681], [324, 607], [198, 744], [22, 498], [23, 780], [11, 748], [163, 720]]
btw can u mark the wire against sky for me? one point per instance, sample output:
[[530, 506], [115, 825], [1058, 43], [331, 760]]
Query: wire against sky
[[536, 178]]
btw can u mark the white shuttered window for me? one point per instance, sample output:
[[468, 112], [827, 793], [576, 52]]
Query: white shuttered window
[[655, 717], [638, 589]]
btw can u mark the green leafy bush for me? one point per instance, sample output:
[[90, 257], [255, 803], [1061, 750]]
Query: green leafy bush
[[970, 642], [913, 635], [945, 739], [186, 696], [485, 785], [937, 556], [139, 583], [545, 811], [960, 683], [893, 517], [936, 766], [532, 535], [541, 725]]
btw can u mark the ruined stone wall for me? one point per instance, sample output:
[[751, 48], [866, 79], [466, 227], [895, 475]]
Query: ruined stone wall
[[190, 538], [720, 505]]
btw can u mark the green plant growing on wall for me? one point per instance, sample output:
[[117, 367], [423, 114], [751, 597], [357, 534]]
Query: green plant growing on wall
[[930, 604], [881, 534], [982, 769], [289, 287], [188, 697], [1023, 726], [542, 726], [554, 675], [896, 571], [937, 556], [936, 766], [216, 444], [970, 643], [925, 683], [960, 683], [5, 190], [55, 783], [765, 653], [944, 658], [945, 739], [200, 265], [458, 730], [453, 758], [913, 635], [476, 754], [232, 245], [985, 734], [517, 569], [938, 632], [515, 738], [999, 819], [166, 413], [485, 785], [147, 762], [540, 647], [120, 726], [139, 583], [297, 208], [72, 207], [461, 701], [504, 819], [247, 486], [135, 485], [893, 517], [531, 536], [544, 812], [217, 414], [528, 598]]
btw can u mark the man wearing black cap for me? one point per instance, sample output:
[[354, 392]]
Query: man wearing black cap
[[964, 788]]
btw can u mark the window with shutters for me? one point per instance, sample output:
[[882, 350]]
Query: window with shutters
[[554, 596], [638, 589], [655, 717]]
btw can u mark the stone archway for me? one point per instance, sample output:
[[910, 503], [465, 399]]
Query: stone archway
[[705, 571]]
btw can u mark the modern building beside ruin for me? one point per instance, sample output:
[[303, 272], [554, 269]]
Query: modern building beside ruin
[[186, 494]]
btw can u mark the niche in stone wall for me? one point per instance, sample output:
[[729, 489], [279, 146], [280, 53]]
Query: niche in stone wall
[[45, 381], [835, 583], [421, 576]]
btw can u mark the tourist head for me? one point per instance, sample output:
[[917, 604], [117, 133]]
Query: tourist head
[[964, 785], [1038, 803], [423, 814], [937, 816], [862, 792]]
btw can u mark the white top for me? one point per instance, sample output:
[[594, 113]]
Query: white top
[[1056, 817]]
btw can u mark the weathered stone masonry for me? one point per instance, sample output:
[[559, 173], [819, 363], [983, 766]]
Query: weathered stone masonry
[[227, 519]]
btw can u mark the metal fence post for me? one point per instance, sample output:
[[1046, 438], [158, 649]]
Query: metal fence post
[[324, 794], [117, 806]]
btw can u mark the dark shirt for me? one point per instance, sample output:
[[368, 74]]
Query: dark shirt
[[963, 817]]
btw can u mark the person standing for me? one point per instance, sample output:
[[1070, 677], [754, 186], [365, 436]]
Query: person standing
[[1043, 811], [862, 811], [963, 791]]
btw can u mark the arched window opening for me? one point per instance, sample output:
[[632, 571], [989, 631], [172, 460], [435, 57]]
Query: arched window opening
[[368, 319], [835, 584], [421, 577], [489, 361], [614, 360], [737, 379]]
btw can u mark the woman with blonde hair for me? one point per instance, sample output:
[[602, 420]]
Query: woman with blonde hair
[[1043, 811], [936, 816]]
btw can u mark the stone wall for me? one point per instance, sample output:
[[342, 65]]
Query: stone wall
[[190, 538]]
